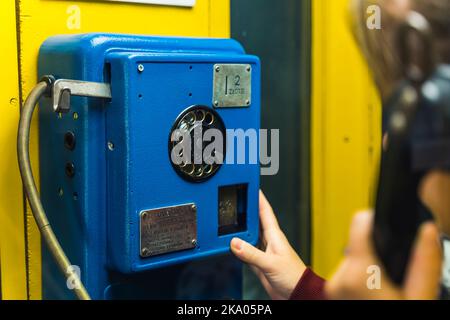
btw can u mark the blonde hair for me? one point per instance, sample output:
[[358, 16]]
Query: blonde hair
[[379, 45]]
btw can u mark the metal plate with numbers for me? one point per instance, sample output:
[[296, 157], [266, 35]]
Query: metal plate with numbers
[[232, 85], [167, 230]]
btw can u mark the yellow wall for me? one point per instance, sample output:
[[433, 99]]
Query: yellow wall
[[12, 242], [345, 114], [346, 133], [40, 19]]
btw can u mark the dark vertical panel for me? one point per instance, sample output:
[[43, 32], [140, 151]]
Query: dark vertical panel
[[304, 172], [1, 288], [279, 33]]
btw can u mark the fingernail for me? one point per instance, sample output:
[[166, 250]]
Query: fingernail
[[236, 243]]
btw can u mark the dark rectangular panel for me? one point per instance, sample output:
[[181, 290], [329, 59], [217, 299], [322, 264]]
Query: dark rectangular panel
[[279, 32]]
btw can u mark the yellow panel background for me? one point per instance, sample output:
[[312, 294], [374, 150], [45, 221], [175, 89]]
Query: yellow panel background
[[346, 130], [39, 19], [12, 243], [346, 115]]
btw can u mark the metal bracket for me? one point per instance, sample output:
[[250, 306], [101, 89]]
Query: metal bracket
[[63, 89]]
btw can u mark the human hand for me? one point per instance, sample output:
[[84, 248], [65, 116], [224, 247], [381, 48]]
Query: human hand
[[354, 277], [277, 265]]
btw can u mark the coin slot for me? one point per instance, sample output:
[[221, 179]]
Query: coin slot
[[232, 209]]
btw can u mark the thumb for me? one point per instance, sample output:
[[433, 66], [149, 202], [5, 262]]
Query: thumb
[[248, 253], [424, 274]]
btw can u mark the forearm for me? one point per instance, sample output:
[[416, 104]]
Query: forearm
[[309, 287]]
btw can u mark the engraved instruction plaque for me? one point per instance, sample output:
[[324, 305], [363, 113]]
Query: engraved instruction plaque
[[167, 230]]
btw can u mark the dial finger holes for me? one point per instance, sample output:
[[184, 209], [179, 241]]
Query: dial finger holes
[[190, 127], [199, 171], [189, 169], [190, 118], [208, 169], [209, 118], [200, 115]]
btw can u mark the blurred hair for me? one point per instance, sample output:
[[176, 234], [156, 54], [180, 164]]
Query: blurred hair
[[379, 46]]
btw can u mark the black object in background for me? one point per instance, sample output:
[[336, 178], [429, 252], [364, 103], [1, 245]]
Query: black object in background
[[418, 128], [397, 209]]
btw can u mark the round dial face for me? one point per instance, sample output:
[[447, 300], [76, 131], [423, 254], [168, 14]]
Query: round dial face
[[195, 151]]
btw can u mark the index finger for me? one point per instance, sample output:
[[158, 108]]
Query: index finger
[[266, 214]]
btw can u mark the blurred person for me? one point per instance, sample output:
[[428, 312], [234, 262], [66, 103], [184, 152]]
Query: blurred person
[[283, 273]]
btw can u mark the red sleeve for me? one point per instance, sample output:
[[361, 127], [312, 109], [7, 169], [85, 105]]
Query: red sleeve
[[310, 287]]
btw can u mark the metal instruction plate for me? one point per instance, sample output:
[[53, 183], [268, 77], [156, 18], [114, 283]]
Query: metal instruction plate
[[232, 85], [167, 230]]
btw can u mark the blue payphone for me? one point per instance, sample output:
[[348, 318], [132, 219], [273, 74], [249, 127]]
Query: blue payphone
[[137, 215]]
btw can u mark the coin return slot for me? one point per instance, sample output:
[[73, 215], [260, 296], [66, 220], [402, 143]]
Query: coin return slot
[[232, 209]]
